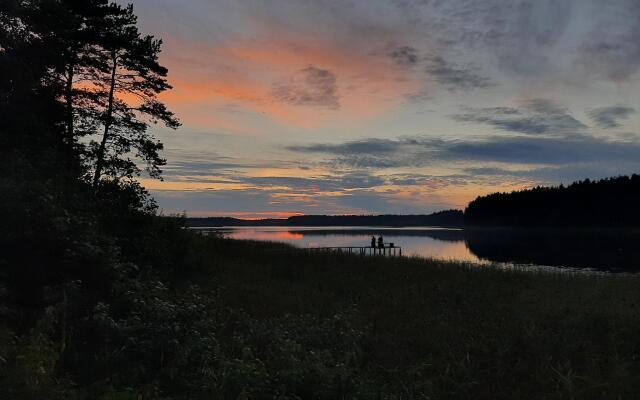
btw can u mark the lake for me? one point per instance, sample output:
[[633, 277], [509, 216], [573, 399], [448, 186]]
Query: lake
[[612, 250]]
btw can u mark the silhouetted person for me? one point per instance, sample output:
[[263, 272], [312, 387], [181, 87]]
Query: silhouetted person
[[373, 242], [380, 243]]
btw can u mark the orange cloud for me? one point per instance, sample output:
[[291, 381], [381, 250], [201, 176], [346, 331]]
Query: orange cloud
[[244, 72], [444, 193], [248, 215], [154, 184]]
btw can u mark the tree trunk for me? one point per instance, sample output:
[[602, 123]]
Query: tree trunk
[[69, 100], [107, 122], [63, 333]]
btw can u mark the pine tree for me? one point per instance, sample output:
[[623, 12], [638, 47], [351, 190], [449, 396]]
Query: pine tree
[[70, 28], [129, 89]]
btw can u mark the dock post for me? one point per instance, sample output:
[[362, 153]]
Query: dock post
[[380, 251]]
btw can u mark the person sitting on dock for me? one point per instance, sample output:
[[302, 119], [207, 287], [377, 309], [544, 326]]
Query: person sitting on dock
[[373, 242], [380, 243]]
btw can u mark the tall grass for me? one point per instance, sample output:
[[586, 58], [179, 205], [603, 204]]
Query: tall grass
[[414, 328]]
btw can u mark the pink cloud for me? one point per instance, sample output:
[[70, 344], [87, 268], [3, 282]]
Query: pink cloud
[[248, 73]]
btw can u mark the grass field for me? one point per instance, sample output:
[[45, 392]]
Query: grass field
[[317, 325]]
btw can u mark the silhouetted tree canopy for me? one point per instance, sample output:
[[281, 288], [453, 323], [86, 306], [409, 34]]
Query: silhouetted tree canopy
[[612, 201], [129, 89], [102, 72], [69, 247]]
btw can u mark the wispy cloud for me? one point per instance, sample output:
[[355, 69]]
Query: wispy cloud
[[455, 77], [404, 55], [611, 49], [559, 173], [544, 150], [539, 116], [376, 153], [514, 150], [452, 76], [609, 117], [322, 183], [365, 147]]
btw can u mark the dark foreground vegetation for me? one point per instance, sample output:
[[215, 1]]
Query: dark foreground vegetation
[[605, 202], [102, 300], [205, 317]]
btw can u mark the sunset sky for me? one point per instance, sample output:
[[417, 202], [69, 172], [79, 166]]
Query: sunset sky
[[390, 106]]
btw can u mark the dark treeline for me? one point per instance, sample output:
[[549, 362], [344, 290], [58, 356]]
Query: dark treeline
[[441, 218], [448, 217], [230, 221], [87, 271], [606, 202]]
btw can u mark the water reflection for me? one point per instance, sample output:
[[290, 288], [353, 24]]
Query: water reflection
[[606, 250]]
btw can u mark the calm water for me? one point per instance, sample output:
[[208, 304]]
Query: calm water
[[603, 250]]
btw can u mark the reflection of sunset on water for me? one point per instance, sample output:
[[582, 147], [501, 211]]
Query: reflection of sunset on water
[[255, 234], [313, 237], [445, 250]]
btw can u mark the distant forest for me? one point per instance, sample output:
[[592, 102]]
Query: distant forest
[[606, 202], [441, 218]]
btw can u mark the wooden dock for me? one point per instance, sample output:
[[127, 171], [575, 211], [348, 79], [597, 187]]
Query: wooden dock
[[363, 251]]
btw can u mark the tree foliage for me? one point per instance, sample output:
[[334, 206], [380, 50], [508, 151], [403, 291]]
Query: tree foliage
[[104, 75], [606, 202], [69, 246], [129, 88]]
